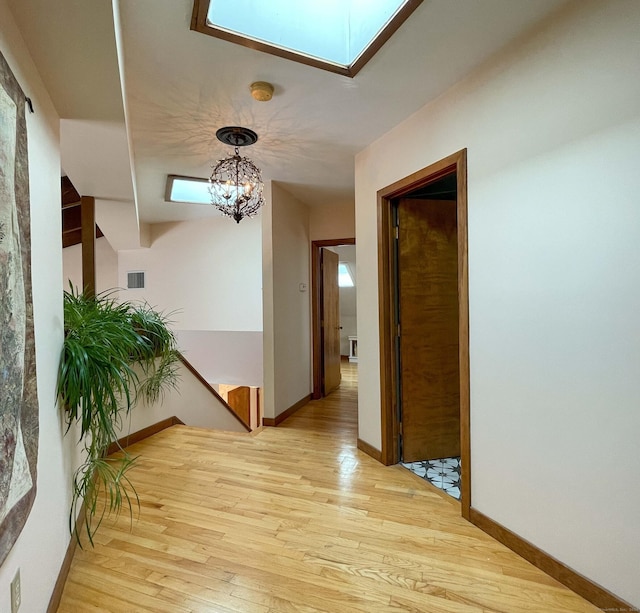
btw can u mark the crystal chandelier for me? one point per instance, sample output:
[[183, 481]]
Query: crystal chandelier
[[236, 183]]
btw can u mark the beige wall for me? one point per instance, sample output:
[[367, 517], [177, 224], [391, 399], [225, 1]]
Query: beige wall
[[332, 221], [552, 129], [347, 298], [106, 266], [287, 327], [288, 228], [41, 546], [224, 357], [206, 272], [191, 402]]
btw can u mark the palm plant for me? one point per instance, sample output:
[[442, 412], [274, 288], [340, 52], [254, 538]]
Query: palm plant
[[114, 354]]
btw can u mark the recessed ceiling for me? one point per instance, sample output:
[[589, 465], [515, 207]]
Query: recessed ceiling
[[180, 87], [332, 34]]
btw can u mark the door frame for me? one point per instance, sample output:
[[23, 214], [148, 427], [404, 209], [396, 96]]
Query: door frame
[[316, 280], [456, 162]]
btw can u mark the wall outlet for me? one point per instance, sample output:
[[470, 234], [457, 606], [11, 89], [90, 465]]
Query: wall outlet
[[16, 597]]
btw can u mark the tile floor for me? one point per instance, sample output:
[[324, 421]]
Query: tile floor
[[443, 473]]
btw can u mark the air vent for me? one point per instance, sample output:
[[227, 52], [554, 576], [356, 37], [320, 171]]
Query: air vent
[[135, 280]]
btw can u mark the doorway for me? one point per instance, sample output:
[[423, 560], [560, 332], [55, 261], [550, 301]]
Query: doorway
[[424, 327], [326, 317]]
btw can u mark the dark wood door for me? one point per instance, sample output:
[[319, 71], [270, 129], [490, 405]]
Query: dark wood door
[[428, 317], [330, 316]]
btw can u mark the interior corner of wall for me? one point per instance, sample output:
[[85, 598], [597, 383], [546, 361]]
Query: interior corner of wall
[[268, 194], [145, 235]]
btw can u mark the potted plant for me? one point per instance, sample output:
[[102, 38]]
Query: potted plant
[[114, 353]]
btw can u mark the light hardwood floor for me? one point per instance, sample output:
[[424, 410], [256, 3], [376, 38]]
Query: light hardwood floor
[[295, 518]]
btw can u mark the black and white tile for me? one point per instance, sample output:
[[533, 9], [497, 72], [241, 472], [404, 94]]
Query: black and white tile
[[443, 473]]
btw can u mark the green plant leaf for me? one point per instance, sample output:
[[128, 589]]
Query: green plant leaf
[[98, 381]]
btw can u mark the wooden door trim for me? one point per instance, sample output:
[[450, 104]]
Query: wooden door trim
[[316, 276], [456, 162]]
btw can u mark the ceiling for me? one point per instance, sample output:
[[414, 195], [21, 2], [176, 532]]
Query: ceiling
[[141, 95]]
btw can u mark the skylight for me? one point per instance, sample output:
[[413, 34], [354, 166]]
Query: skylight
[[344, 275], [187, 189], [338, 35]]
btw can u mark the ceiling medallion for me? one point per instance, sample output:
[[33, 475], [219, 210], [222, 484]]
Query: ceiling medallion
[[236, 182]]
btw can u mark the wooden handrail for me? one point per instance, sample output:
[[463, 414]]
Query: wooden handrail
[[206, 384]]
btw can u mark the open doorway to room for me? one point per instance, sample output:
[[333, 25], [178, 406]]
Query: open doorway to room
[[424, 325], [333, 314]]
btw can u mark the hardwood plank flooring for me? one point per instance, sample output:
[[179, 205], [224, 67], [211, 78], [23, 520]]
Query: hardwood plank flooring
[[296, 519]]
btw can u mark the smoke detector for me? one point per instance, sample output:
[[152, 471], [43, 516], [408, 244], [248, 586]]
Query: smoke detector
[[261, 91]]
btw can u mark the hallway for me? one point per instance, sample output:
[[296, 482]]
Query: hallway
[[295, 518]]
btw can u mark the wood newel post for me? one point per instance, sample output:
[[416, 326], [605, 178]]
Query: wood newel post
[[88, 216]]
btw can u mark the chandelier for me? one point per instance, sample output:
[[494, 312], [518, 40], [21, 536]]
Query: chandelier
[[236, 184]]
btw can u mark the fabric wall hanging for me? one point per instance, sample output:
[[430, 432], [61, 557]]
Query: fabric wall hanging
[[18, 393]]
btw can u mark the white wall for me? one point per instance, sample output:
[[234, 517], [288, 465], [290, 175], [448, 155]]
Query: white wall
[[268, 351], [287, 327], [106, 266], [552, 128], [347, 297], [207, 272], [41, 546], [191, 402], [348, 319], [224, 357]]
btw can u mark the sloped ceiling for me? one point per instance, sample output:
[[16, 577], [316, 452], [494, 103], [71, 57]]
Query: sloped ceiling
[[181, 86]]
